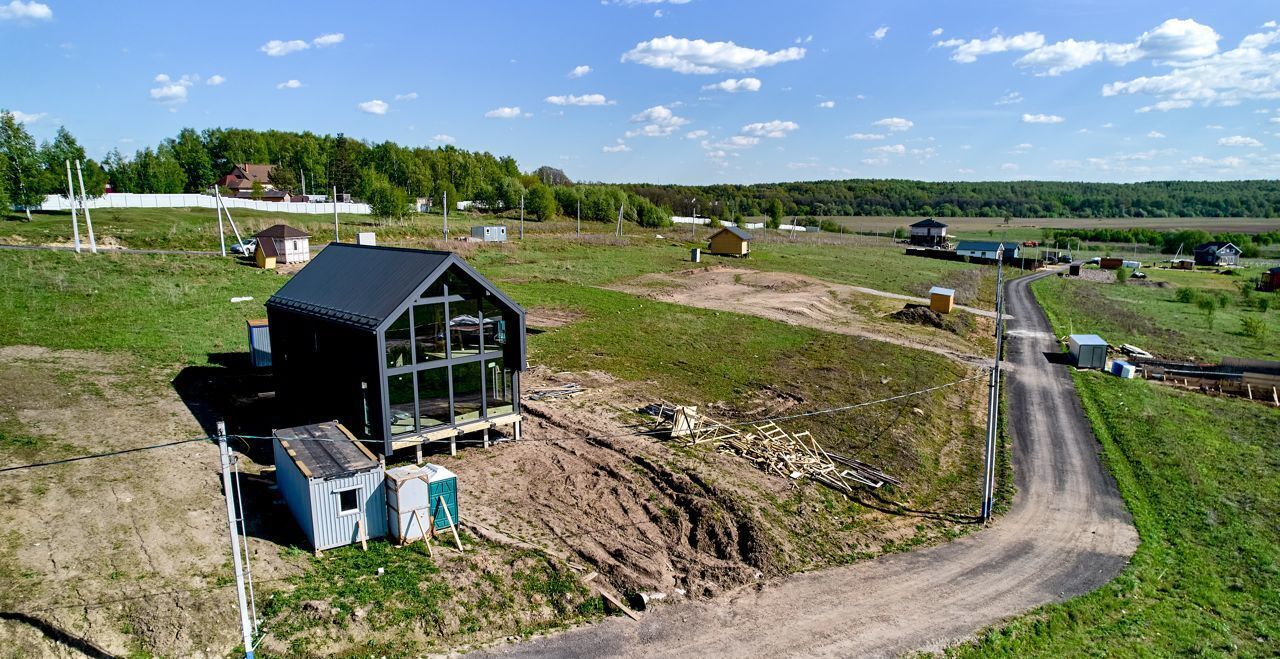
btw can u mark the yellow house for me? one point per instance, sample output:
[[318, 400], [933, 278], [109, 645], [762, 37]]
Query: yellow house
[[730, 241], [942, 300]]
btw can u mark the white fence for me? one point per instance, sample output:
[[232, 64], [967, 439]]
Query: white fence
[[135, 200]]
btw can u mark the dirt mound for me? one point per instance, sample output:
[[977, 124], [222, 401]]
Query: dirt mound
[[919, 314]]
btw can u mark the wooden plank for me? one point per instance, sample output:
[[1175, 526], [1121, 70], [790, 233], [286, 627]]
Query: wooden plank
[[449, 516], [364, 539], [614, 601], [474, 426], [426, 535], [359, 444]]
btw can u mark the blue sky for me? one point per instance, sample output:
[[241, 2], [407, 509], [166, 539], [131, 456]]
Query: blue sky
[[698, 91]]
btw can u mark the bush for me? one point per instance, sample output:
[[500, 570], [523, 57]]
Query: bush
[[1186, 295], [1122, 275], [1208, 305], [1262, 303], [1253, 327]]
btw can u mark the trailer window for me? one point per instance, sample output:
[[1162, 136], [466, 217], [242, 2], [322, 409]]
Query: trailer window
[[348, 501]]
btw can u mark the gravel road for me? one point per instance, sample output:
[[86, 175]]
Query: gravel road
[[1067, 533]]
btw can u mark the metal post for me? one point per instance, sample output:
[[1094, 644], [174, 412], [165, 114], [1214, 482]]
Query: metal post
[[521, 217], [993, 404], [621, 208], [444, 205], [579, 217], [222, 232], [335, 214], [225, 454], [84, 205], [71, 197]]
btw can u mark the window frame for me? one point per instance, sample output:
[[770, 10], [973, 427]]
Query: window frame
[[353, 511]]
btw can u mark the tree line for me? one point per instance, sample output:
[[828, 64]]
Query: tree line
[[1032, 199], [1169, 242]]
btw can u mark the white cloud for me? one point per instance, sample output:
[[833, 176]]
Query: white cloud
[[1156, 135], [865, 137], [695, 134], [657, 13], [1179, 40], [1269, 24], [659, 121], [733, 86], [27, 118], [889, 149], [442, 138], [172, 92], [733, 143], [1023, 148], [1058, 58], [579, 71], [875, 161], [585, 99], [827, 105], [616, 148], [1165, 106], [967, 52], [895, 124], [801, 165], [326, 40], [937, 32], [773, 128], [289, 84], [411, 96], [215, 80], [503, 113], [880, 33], [1009, 167], [25, 11], [1010, 98], [1042, 119], [376, 106], [1218, 126], [1239, 140], [705, 57], [278, 48]]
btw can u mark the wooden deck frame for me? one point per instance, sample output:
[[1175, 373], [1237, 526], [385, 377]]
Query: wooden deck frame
[[452, 433]]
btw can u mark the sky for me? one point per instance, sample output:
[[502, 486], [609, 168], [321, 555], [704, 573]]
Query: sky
[[682, 91]]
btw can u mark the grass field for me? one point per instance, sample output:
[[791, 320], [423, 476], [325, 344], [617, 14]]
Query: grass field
[[1151, 317]]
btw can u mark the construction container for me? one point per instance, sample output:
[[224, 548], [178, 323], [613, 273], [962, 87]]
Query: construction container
[[490, 234], [331, 483], [1132, 265], [1110, 263], [1124, 369], [259, 343], [942, 300], [1074, 269], [1087, 350], [367, 238], [695, 255], [414, 500]]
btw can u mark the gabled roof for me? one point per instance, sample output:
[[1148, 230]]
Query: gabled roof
[[281, 231], [735, 231], [325, 450], [256, 172], [364, 286], [928, 224], [985, 245], [267, 248], [1216, 247]]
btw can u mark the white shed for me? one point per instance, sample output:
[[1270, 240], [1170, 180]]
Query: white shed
[[292, 245]]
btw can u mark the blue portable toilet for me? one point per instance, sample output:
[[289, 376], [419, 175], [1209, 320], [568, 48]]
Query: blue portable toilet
[[1122, 368], [414, 493]]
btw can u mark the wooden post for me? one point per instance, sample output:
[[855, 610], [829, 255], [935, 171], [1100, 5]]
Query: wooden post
[[364, 539], [517, 430], [453, 444], [71, 197], [417, 453], [426, 533], [1249, 388], [1275, 398], [449, 516], [84, 206]]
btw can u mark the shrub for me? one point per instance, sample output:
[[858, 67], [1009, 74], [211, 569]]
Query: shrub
[[1253, 327], [1262, 303], [1186, 295], [1208, 305], [1122, 275], [1222, 299]]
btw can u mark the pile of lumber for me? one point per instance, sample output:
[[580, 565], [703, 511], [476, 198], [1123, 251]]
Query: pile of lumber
[[774, 450], [566, 391]]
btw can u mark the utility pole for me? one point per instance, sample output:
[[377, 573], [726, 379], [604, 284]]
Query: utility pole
[[444, 205], [993, 402], [335, 214], [303, 173], [521, 217], [620, 210], [222, 232], [71, 197], [225, 454], [579, 204], [84, 205]]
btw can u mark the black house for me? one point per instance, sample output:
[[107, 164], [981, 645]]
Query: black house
[[928, 233], [402, 346], [1217, 254]]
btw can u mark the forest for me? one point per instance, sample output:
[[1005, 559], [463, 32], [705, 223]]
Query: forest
[[390, 176]]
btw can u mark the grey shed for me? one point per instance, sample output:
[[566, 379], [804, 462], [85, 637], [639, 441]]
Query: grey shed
[[1087, 350], [490, 234], [331, 484]]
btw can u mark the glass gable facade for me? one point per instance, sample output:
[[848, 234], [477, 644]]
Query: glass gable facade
[[446, 358]]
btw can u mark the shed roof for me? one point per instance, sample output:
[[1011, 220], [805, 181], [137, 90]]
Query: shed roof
[[735, 231], [985, 245], [281, 231], [358, 285], [1215, 246], [1088, 340], [325, 450], [267, 248], [929, 224], [938, 290]]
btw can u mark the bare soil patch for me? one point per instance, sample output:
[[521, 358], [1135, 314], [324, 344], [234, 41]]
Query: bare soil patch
[[548, 318]]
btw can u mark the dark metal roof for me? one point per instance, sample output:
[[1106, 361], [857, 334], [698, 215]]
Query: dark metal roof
[[985, 245], [358, 285], [737, 232], [929, 224], [326, 450], [281, 231], [1215, 247]]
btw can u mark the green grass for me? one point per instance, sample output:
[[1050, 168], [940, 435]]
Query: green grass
[[1199, 475], [1151, 317]]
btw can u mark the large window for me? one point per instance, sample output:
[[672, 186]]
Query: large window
[[433, 397], [400, 396], [397, 338], [464, 328], [466, 392], [499, 388], [429, 332]]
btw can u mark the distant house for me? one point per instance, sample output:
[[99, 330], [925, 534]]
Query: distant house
[[928, 233], [267, 195], [290, 245], [242, 177], [987, 250], [1217, 254], [730, 241]]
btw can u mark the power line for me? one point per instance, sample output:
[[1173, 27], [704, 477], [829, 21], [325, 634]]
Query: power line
[[102, 455]]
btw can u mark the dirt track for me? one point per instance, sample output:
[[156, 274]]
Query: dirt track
[[1068, 532]]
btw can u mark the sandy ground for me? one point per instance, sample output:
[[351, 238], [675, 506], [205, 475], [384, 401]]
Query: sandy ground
[[800, 300], [1068, 532]]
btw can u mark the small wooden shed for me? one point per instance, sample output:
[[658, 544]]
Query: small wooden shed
[[942, 300], [1270, 280], [730, 241], [332, 484], [291, 245], [1110, 263]]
